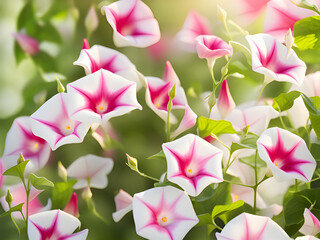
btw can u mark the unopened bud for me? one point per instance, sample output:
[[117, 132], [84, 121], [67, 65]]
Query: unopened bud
[[212, 100], [9, 198], [60, 87], [246, 130], [289, 40], [62, 171], [222, 14], [20, 159], [172, 92], [91, 22], [132, 162], [224, 70]]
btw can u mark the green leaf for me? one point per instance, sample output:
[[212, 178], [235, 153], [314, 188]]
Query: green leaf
[[26, 18], [223, 209], [61, 193], [238, 47], [17, 208], [160, 155], [315, 150], [313, 106], [250, 161], [285, 100], [307, 34], [204, 219], [40, 183], [208, 126], [19, 54], [45, 62], [17, 170], [249, 142], [48, 33]]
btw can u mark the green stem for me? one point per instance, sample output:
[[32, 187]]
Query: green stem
[[240, 184], [213, 135], [16, 225], [147, 176], [214, 223], [260, 93], [296, 185], [256, 183]]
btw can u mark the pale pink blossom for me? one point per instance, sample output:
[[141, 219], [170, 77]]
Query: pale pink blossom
[[249, 10], [157, 93], [269, 57], [100, 96], [211, 48], [54, 224], [281, 15], [18, 193], [257, 117], [52, 123], [133, 23], [28, 44], [225, 101], [286, 154], [248, 226], [72, 206], [311, 225], [90, 170], [1, 172], [188, 121], [99, 57], [194, 26], [123, 202], [193, 163], [21, 140], [163, 213]]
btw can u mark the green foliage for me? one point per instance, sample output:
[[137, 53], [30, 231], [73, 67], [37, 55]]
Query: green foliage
[[40, 183], [61, 193], [225, 209], [17, 170], [208, 126], [238, 47], [17, 208], [306, 33], [250, 161], [313, 106], [158, 156], [285, 100]]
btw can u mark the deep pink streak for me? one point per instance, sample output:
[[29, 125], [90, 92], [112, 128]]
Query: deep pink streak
[[286, 156]]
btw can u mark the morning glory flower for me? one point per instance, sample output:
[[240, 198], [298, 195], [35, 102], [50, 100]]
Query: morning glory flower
[[282, 15], [100, 96], [18, 193], [286, 154], [163, 213], [269, 57], [249, 10], [194, 26], [188, 121], [307, 238], [98, 57], [157, 93], [90, 170], [193, 163], [249, 226], [54, 224], [28, 44], [21, 140], [123, 202], [225, 102], [311, 225], [133, 23], [211, 48], [52, 123], [257, 117]]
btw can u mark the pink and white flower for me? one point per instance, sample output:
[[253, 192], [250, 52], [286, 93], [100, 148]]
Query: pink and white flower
[[269, 57], [20, 139], [307, 238], [194, 26], [193, 163], [249, 10], [257, 117], [123, 202], [28, 44], [54, 224], [1, 171], [18, 193], [72, 206], [281, 15], [286, 154], [99, 57], [163, 213], [311, 225], [52, 123], [211, 48], [90, 171], [225, 102], [100, 96], [248, 226], [157, 93], [133, 23], [188, 121]]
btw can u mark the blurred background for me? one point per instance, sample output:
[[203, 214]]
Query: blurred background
[[26, 82]]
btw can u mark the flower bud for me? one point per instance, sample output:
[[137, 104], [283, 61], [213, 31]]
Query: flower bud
[[28, 44], [60, 87], [289, 40], [9, 198], [172, 92], [91, 22], [20, 159], [222, 14], [132, 162], [62, 171]]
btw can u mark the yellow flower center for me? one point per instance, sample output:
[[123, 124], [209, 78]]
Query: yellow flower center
[[100, 108], [68, 127], [164, 219], [236, 197], [36, 145], [190, 170]]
